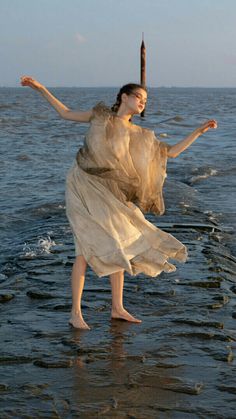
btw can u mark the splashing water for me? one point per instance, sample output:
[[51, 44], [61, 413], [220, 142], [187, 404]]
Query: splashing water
[[43, 246], [198, 177], [46, 244]]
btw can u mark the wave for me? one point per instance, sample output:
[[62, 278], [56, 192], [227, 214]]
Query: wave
[[49, 208], [7, 107], [43, 246], [23, 157], [202, 173]]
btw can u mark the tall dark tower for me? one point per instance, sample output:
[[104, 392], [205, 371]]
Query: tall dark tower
[[143, 65]]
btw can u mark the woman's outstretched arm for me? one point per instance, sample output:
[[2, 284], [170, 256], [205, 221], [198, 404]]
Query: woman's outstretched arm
[[178, 148], [63, 111]]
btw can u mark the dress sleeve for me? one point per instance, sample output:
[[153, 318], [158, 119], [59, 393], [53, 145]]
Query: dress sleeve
[[164, 147], [100, 112], [150, 160]]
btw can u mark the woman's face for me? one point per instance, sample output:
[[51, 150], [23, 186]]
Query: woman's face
[[137, 100]]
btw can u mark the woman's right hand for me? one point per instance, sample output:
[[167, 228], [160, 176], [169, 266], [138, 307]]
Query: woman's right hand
[[29, 81]]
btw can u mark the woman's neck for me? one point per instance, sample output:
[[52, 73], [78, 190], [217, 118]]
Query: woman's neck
[[123, 114], [124, 118]]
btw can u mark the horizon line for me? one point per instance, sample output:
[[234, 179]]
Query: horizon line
[[118, 86]]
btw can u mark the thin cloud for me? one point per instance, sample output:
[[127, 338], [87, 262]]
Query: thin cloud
[[80, 39], [230, 58]]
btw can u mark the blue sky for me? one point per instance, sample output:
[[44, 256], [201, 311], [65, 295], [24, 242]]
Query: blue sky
[[96, 42]]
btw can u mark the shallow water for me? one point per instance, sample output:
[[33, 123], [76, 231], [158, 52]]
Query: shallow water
[[179, 363]]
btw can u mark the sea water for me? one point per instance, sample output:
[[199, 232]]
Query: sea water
[[186, 343]]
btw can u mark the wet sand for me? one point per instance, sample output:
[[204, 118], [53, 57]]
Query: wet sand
[[178, 363]]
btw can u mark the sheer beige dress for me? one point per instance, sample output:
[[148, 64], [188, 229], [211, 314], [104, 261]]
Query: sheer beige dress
[[118, 175]]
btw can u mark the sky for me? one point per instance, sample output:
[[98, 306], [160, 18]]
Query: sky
[[89, 43]]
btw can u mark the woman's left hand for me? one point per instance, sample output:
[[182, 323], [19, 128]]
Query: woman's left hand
[[209, 124]]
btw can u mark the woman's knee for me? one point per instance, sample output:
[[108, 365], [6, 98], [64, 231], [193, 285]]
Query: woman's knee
[[117, 274]]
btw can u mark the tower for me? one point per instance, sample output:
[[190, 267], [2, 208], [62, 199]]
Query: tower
[[143, 65]]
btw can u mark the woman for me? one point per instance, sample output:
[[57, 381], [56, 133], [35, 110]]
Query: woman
[[118, 174]]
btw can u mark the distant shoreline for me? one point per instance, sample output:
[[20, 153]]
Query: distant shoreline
[[117, 87]]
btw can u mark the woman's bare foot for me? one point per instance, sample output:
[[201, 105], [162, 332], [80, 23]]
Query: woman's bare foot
[[124, 315], [78, 322]]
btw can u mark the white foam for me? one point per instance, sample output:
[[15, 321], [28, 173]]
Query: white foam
[[184, 205], [30, 254], [211, 172], [43, 246], [46, 244]]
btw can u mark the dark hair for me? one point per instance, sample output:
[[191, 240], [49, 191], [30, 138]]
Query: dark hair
[[128, 89]]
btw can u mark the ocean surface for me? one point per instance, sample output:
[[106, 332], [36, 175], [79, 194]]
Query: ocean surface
[[179, 363]]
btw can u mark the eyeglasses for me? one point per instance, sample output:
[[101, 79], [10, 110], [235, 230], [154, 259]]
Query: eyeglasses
[[140, 97]]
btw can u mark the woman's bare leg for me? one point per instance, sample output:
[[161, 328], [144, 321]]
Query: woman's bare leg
[[118, 311], [77, 286]]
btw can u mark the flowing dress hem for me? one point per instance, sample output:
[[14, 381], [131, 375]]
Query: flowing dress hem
[[135, 264]]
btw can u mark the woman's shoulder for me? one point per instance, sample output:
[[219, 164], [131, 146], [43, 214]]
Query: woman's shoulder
[[101, 110], [142, 130]]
